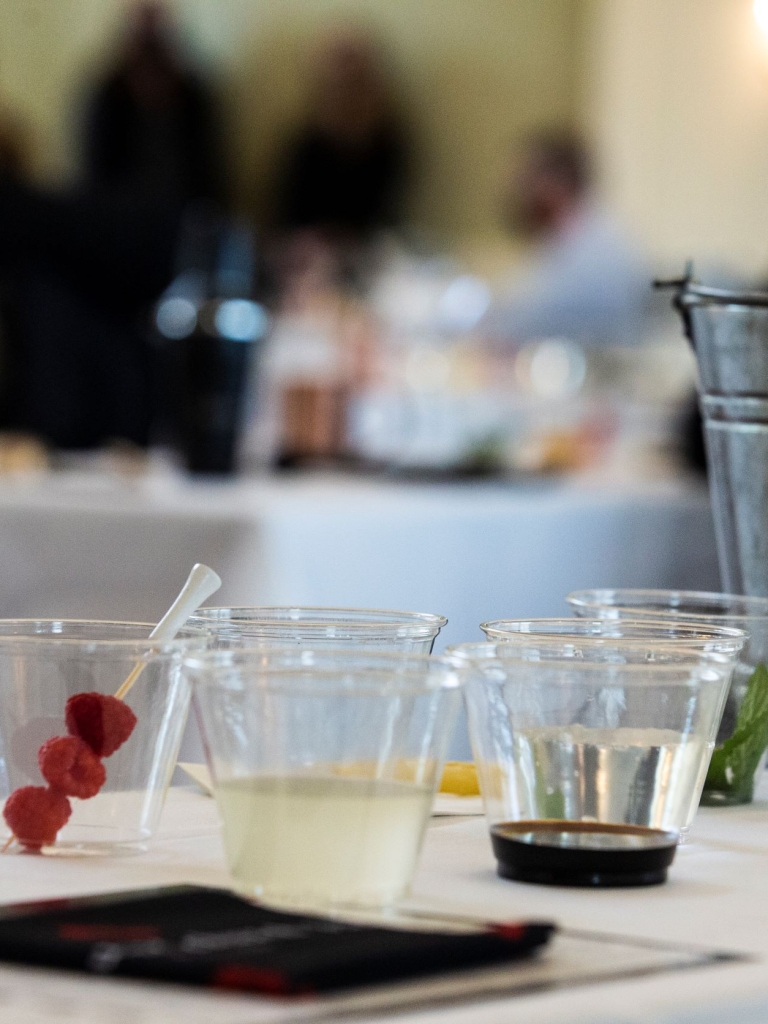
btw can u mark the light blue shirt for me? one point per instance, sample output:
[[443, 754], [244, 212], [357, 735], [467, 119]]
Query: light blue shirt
[[589, 284]]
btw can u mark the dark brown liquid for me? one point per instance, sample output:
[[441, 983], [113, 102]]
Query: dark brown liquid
[[584, 853]]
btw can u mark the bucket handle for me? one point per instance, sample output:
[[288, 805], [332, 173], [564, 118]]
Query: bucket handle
[[681, 286]]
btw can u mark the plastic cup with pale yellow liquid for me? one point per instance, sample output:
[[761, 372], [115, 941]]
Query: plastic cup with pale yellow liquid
[[324, 766]]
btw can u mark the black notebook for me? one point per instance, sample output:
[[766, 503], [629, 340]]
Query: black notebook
[[212, 938]]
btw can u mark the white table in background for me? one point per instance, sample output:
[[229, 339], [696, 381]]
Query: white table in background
[[78, 545], [716, 897], [90, 545]]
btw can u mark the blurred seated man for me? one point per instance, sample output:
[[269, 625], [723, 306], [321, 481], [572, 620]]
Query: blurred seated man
[[150, 128], [588, 283], [343, 173]]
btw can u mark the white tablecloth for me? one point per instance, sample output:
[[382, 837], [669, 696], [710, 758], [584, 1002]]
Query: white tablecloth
[[716, 897], [81, 545], [92, 546]]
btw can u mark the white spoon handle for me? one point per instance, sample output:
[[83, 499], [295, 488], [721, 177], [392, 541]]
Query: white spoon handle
[[201, 583]]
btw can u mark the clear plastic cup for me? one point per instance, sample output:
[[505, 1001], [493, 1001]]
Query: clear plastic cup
[[657, 636], [314, 628], [695, 605], [732, 777], [616, 732], [42, 664], [324, 765]]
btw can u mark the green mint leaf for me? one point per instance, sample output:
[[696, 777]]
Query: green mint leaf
[[734, 764]]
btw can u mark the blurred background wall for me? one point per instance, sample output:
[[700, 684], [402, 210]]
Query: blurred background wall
[[674, 94], [676, 99], [471, 77]]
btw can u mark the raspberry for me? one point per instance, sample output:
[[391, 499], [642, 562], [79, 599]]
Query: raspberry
[[69, 765], [35, 814], [102, 721]]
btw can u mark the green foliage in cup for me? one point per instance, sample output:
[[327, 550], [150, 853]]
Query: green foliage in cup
[[733, 765]]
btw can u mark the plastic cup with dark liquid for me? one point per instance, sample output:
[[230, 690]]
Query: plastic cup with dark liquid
[[592, 747]]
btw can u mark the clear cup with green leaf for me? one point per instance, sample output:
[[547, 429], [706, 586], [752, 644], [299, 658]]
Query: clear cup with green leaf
[[742, 738]]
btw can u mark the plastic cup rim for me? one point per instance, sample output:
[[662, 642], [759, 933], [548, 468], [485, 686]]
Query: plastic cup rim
[[398, 623], [484, 654], [144, 646], [719, 634], [577, 599]]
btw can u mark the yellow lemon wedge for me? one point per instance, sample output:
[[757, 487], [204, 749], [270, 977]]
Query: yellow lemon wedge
[[460, 778]]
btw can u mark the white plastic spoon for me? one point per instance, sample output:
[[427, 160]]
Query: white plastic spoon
[[201, 583]]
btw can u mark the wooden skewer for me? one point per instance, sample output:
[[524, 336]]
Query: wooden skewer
[[138, 668]]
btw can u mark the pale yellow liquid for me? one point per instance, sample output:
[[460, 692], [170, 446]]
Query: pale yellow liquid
[[306, 840]]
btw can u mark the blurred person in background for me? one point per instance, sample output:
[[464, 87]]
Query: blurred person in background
[[588, 283], [82, 271], [340, 182], [85, 265], [151, 127], [14, 167], [342, 176], [14, 145]]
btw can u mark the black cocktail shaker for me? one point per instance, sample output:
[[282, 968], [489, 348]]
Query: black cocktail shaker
[[212, 327]]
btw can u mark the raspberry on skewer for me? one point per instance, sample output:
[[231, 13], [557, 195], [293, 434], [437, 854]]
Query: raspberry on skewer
[[35, 815], [69, 765], [99, 724], [102, 721]]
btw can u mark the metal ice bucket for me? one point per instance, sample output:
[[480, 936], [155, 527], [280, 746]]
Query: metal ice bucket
[[729, 332]]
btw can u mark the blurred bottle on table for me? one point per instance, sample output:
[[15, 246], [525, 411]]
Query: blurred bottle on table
[[319, 355], [211, 325], [311, 392]]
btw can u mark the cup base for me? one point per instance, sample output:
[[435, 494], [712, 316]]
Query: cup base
[[316, 903], [582, 853], [594, 880], [70, 851]]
